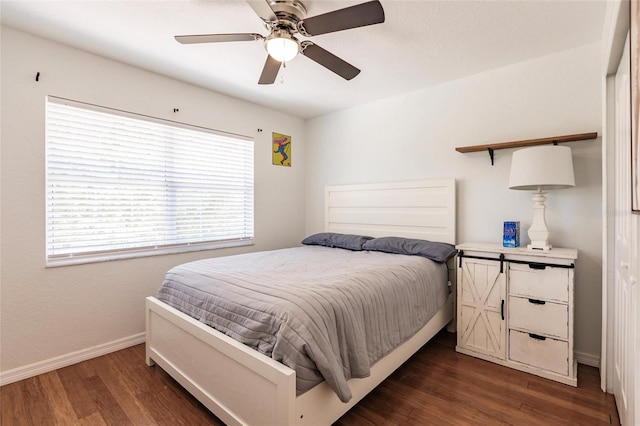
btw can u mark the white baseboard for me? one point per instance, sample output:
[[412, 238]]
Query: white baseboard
[[51, 364], [587, 359]]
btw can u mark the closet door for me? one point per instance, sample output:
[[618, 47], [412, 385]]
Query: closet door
[[625, 328]]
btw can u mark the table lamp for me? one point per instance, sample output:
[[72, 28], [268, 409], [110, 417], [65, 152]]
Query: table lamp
[[539, 169]]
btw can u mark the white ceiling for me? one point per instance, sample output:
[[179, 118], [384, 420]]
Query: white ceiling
[[421, 43]]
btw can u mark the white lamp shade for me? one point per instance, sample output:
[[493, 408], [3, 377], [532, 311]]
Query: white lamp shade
[[542, 167]]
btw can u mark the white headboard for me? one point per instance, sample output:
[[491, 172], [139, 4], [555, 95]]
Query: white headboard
[[423, 209]]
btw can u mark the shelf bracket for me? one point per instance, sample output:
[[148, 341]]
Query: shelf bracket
[[490, 150]]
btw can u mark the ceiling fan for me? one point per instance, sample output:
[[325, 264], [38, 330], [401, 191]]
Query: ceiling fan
[[285, 18]]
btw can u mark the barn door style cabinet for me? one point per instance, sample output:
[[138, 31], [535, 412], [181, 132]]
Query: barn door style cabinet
[[515, 308]]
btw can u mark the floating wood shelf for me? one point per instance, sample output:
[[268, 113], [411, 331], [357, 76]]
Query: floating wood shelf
[[530, 142]]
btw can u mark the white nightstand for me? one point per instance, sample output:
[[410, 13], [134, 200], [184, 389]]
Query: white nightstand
[[515, 308]]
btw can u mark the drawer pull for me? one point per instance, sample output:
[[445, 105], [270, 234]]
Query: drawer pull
[[537, 302], [537, 336], [538, 266]]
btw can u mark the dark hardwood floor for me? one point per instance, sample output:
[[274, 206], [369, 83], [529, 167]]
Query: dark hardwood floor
[[437, 386]]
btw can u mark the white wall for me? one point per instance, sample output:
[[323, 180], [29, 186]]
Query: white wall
[[413, 136], [45, 313]]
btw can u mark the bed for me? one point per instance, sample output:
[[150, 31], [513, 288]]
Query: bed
[[242, 386]]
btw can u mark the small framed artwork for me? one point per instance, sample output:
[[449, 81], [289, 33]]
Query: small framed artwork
[[281, 149], [634, 42]]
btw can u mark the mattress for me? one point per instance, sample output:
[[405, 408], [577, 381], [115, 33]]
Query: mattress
[[327, 313]]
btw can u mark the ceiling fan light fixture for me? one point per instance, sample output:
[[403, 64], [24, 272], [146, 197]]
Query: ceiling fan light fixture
[[282, 46]]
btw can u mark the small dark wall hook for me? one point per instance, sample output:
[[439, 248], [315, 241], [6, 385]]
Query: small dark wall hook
[[38, 76], [176, 110]]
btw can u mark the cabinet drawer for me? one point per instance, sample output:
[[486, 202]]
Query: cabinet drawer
[[548, 354], [540, 318], [547, 284]]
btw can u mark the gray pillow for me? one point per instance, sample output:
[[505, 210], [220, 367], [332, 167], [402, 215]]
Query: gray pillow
[[439, 252], [333, 239]]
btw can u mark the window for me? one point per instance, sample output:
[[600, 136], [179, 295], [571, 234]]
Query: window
[[123, 185]]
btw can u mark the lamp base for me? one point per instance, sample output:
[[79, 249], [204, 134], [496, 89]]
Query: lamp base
[[538, 247], [538, 232]]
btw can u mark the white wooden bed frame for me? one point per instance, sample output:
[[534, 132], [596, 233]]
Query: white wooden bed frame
[[242, 386]]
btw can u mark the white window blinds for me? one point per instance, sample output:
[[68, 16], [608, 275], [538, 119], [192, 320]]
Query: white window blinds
[[123, 185]]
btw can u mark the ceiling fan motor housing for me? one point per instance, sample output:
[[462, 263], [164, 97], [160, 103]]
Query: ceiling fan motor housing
[[289, 12]]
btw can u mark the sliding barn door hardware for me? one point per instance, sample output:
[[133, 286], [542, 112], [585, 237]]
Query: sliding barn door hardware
[[532, 265]]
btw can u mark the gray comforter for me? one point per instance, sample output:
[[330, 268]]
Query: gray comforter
[[327, 313]]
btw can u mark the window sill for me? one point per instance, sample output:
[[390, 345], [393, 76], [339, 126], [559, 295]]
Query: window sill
[[132, 254]]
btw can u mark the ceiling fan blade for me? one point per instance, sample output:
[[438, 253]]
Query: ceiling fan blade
[[356, 16], [270, 71], [216, 38], [263, 10], [329, 60]]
